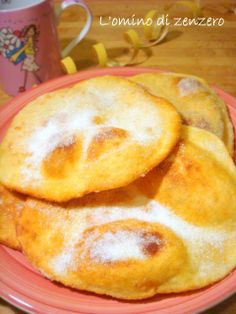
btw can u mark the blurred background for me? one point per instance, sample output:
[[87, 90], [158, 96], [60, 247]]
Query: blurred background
[[209, 52]]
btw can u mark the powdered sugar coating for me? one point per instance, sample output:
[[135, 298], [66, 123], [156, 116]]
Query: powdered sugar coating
[[121, 246], [188, 85], [197, 239], [63, 261], [75, 121]]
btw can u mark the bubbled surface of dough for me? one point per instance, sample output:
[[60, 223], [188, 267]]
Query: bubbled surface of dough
[[96, 135], [11, 205], [197, 103], [136, 241]]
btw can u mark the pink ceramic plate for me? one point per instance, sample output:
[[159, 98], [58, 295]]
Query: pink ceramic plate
[[24, 287]]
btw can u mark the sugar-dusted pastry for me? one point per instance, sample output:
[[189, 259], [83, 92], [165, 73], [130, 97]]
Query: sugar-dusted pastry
[[198, 180], [97, 135], [134, 242], [11, 205], [197, 103], [101, 244], [198, 184]]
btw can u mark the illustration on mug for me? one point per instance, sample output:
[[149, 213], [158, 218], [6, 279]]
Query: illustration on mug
[[20, 48]]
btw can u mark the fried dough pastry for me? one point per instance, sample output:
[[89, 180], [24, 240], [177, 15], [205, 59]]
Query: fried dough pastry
[[197, 103], [134, 242], [200, 176], [10, 206], [99, 134], [121, 257]]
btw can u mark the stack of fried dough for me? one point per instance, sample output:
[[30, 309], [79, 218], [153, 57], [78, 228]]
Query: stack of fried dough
[[123, 186]]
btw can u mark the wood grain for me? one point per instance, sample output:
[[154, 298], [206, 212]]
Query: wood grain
[[209, 52]]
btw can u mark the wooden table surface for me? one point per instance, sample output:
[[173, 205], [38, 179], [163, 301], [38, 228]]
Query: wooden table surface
[[209, 52]]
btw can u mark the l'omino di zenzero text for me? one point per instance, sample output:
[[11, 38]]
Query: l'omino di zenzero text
[[160, 21]]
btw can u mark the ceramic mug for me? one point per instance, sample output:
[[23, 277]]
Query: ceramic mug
[[29, 47]]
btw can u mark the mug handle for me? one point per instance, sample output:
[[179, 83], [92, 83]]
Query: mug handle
[[66, 4]]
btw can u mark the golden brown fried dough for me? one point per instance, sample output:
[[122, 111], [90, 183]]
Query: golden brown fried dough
[[10, 206], [126, 259], [97, 135], [197, 103], [171, 231], [197, 181]]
